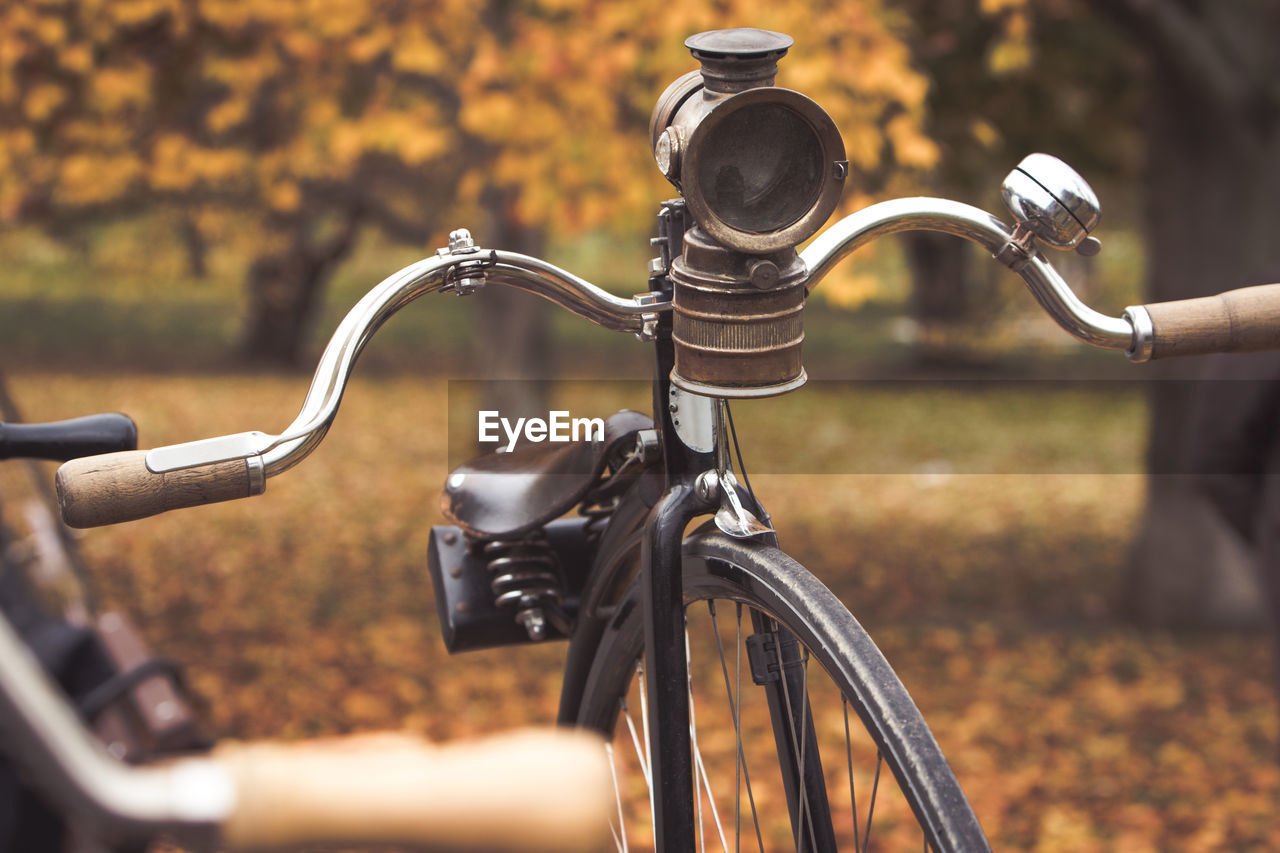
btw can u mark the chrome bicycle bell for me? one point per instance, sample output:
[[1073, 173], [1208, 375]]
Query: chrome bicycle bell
[[1049, 199]]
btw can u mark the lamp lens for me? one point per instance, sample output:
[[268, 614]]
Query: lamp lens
[[761, 168]]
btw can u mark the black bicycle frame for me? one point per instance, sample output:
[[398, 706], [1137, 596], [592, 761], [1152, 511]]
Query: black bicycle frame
[[666, 668]]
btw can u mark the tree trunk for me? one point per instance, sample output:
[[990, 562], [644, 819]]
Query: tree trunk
[[285, 289], [942, 291], [513, 344], [196, 246], [1213, 204], [283, 292]]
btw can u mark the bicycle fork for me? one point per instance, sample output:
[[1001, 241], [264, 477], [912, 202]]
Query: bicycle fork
[[666, 669], [777, 665]]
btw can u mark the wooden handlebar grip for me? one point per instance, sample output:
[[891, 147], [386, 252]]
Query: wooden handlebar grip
[[1241, 320], [115, 487], [534, 790]]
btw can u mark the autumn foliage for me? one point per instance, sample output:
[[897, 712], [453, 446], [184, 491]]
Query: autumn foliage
[[288, 126], [309, 610]]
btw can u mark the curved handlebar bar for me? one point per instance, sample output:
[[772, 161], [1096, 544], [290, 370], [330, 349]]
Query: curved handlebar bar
[[583, 298], [279, 453], [977, 226], [117, 487]]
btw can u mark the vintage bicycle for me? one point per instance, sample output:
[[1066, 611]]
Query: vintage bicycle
[[746, 706]]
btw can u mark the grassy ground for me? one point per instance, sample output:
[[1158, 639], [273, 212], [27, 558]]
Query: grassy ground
[[970, 528]]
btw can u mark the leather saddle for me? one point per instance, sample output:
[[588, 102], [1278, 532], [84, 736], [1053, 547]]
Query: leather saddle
[[507, 495]]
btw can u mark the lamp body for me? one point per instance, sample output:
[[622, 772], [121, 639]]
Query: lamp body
[[738, 320]]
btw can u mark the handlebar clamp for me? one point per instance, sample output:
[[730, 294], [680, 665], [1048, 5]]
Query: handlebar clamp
[[462, 277]]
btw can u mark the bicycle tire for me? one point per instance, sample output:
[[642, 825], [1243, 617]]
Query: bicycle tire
[[779, 593]]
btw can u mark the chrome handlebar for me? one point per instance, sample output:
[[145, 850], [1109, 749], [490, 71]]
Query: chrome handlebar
[[949, 217], [463, 267]]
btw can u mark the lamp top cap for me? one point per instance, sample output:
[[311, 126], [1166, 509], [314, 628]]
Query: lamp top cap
[[742, 42]]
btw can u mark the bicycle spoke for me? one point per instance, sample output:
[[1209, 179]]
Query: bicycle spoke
[[640, 750], [739, 758], [804, 815], [644, 723], [640, 759], [804, 740], [715, 815], [696, 768], [848, 750], [620, 833], [741, 771], [875, 786], [699, 767]]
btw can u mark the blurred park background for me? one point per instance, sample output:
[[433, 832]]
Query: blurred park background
[[193, 192]]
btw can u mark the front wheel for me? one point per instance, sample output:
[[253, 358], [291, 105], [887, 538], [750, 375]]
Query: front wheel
[[803, 738]]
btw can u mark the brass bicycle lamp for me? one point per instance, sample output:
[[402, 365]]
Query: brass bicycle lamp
[[760, 168]]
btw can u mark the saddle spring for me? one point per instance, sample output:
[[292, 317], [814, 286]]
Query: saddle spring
[[525, 575]]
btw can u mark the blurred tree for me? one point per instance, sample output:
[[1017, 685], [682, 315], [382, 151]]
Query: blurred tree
[[1182, 97], [1212, 181], [1008, 78], [287, 125], [291, 125]]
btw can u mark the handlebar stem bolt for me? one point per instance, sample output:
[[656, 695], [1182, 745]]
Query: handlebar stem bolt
[[648, 327], [461, 243], [648, 445]]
